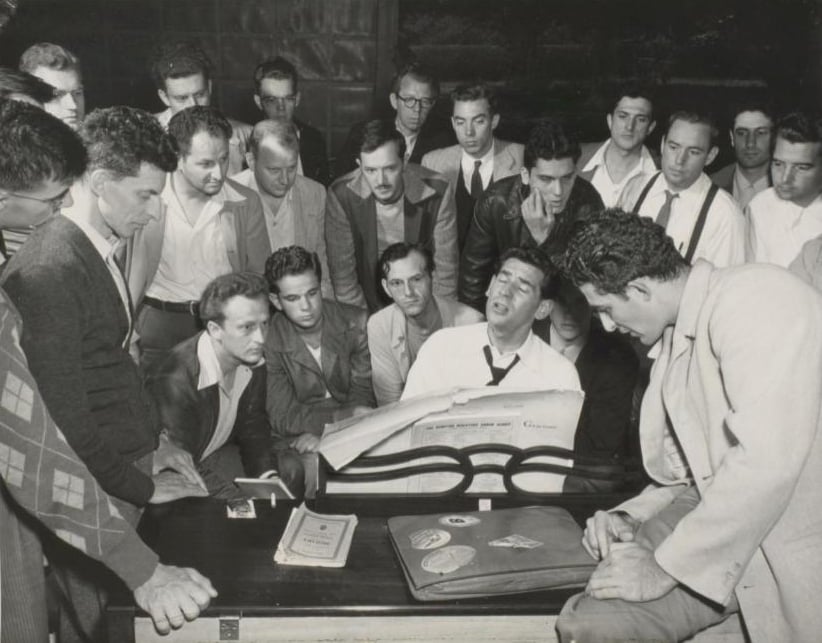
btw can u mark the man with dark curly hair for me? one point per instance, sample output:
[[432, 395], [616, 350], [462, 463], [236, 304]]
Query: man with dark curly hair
[[730, 433], [77, 318], [527, 210]]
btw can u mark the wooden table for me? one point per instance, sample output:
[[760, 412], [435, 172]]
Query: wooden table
[[365, 601]]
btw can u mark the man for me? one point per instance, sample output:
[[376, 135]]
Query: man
[[293, 205], [414, 91], [211, 389], [608, 370], [704, 221], [386, 201], [396, 333], [503, 351], [277, 95], [782, 218], [531, 209], [76, 314], [610, 165], [729, 522], [479, 158], [752, 142], [316, 353], [210, 226], [61, 69], [181, 71]]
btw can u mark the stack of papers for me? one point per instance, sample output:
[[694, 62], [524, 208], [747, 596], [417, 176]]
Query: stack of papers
[[316, 540]]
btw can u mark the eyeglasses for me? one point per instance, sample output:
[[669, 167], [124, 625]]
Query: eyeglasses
[[55, 201], [411, 102], [278, 100]]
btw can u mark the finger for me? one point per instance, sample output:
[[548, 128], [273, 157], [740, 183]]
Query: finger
[[186, 602], [173, 613], [202, 581], [592, 551], [607, 592], [601, 529], [161, 623]]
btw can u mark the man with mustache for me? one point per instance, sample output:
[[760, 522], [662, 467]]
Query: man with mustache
[[209, 226], [782, 218], [385, 201]]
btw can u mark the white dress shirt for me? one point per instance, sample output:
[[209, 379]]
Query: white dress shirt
[[777, 229], [453, 357], [601, 180], [486, 168], [723, 238], [280, 225], [192, 255]]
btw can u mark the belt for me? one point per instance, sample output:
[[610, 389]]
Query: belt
[[187, 307]]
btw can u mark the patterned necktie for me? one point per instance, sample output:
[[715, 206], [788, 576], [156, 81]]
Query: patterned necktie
[[664, 213], [476, 181], [497, 374]]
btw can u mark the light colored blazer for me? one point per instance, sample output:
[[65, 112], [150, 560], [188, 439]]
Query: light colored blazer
[[446, 161], [243, 230], [390, 360], [741, 377]]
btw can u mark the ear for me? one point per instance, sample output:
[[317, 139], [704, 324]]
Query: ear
[[543, 310], [609, 119], [731, 137], [258, 102], [638, 288], [384, 283], [359, 165], [494, 122], [651, 128], [98, 179], [525, 175], [214, 329], [275, 301], [209, 91], [662, 145], [163, 97], [392, 98], [296, 100], [711, 155], [249, 160]]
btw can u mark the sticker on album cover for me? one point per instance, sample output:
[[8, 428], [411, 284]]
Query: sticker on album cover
[[457, 520], [429, 538], [448, 559], [515, 541]]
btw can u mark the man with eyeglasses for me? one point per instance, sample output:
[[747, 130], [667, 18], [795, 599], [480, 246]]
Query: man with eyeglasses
[[60, 68], [752, 141], [277, 94], [414, 92], [182, 73]]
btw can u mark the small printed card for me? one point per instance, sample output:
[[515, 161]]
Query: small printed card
[[315, 540]]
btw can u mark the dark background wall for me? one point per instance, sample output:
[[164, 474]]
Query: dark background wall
[[544, 56]]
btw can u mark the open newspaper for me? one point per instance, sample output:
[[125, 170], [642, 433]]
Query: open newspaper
[[456, 418]]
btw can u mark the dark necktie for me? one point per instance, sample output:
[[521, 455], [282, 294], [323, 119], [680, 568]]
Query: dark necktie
[[664, 213], [476, 182], [497, 374]]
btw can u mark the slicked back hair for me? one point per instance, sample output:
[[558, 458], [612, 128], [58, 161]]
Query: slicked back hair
[[611, 248], [291, 260], [283, 132], [37, 147], [696, 118], [549, 140], [120, 139], [800, 127], [633, 90], [536, 258], [235, 284], [377, 133], [49, 55], [178, 59], [190, 121], [277, 68], [474, 92], [13, 82], [401, 250]]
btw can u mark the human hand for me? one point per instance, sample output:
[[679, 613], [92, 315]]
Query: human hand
[[538, 216], [169, 456], [604, 528], [306, 443], [169, 486], [174, 595], [630, 572]]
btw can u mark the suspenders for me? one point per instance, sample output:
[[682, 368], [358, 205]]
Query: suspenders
[[700, 220]]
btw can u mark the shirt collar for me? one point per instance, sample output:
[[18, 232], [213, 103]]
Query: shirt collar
[[701, 184], [226, 193], [646, 161], [526, 351], [468, 161], [249, 180], [211, 372], [106, 247]]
